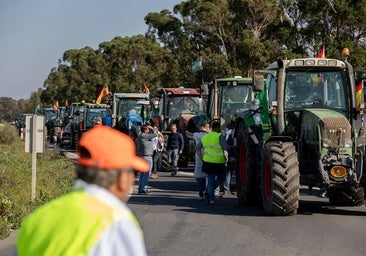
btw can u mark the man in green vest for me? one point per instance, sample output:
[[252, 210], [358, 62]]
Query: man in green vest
[[93, 219], [214, 157]]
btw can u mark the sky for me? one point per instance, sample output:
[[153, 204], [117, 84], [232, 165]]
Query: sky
[[34, 34]]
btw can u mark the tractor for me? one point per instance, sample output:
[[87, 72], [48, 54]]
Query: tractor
[[130, 111], [84, 118], [227, 97], [301, 130], [178, 106]]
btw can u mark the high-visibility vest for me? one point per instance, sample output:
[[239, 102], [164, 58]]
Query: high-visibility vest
[[212, 151], [56, 228]]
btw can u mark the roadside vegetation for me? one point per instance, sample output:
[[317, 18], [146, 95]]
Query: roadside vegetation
[[55, 175]]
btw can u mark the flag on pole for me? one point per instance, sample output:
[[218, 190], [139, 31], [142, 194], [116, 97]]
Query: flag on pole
[[103, 93], [197, 65], [359, 94], [146, 89], [321, 54], [37, 111]]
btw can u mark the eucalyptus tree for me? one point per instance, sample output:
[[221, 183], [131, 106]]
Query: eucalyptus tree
[[195, 28], [135, 61], [335, 24]]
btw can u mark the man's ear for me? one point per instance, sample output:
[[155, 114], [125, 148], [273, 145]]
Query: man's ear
[[121, 181]]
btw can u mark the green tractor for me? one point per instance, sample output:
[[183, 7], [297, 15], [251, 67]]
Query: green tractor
[[304, 128]]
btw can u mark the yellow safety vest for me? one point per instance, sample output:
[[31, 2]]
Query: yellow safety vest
[[57, 229], [212, 151]]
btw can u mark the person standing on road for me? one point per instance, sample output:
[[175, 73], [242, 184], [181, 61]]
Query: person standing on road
[[93, 219], [145, 149], [213, 151], [158, 146], [230, 165], [175, 147], [198, 174]]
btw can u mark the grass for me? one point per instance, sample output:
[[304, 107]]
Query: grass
[[55, 176]]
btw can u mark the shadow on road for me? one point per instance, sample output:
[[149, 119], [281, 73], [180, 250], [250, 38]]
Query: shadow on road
[[181, 191]]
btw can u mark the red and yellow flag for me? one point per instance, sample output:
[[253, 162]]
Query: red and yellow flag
[[146, 89], [359, 94], [103, 93], [321, 54]]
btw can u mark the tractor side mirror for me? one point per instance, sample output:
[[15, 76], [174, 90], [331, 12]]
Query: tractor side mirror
[[258, 83]]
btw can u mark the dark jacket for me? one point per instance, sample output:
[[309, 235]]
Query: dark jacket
[[175, 141]]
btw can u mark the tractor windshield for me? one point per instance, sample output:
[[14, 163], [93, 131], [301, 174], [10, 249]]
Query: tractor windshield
[[185, 105], [234, 99], [315, 90], [129, 106], [94, 114]]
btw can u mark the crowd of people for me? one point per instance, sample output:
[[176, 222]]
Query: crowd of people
[[99, 219]]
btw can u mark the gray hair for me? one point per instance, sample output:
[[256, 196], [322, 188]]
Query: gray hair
[[102, 178]]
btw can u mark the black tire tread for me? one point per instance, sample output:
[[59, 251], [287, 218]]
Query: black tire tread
[[285, 179]]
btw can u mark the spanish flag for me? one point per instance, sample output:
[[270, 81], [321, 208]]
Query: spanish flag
[[321, 54], [146, 89], [359, 94], [103, 93]]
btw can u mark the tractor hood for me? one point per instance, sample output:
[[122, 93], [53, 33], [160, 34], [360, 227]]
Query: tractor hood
[[328, 126]]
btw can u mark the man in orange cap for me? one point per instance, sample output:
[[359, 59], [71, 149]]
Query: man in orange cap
[[93, 219]]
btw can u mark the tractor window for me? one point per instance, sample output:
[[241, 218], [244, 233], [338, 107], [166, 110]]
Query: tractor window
[[236, 94], [93, 114], [185, 105], [315, 90], [125, 106], [235, 99], [272, 82]]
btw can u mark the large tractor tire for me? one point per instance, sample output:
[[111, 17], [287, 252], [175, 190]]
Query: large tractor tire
[[74, 137], [346, 196], [165, 166], [280, 179], [247, 182]]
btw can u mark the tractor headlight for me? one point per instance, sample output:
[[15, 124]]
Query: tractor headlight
[[326, 143], [338, 171], [348, 143]]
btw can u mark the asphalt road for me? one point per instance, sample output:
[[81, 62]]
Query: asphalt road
[[176, 223]]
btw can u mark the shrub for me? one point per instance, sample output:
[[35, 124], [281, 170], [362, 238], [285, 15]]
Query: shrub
[[8, 134], [55, 175]]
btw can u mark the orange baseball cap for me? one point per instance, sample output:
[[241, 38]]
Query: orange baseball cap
[[105, 148]]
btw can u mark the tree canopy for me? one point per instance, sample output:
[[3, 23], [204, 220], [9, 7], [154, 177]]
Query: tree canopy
[[233, 37]]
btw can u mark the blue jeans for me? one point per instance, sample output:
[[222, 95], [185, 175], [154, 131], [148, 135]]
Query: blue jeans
[[212, 182], [144, 176], [228, 174], [173, 159], [201, 183]]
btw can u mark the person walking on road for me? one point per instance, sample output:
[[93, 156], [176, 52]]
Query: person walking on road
[[213, 151], [175, 147], [145, 149], [93, 219], [198, 174]]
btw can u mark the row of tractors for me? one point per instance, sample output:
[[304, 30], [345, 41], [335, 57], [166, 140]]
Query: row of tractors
[[304, 128], [297, 123]]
